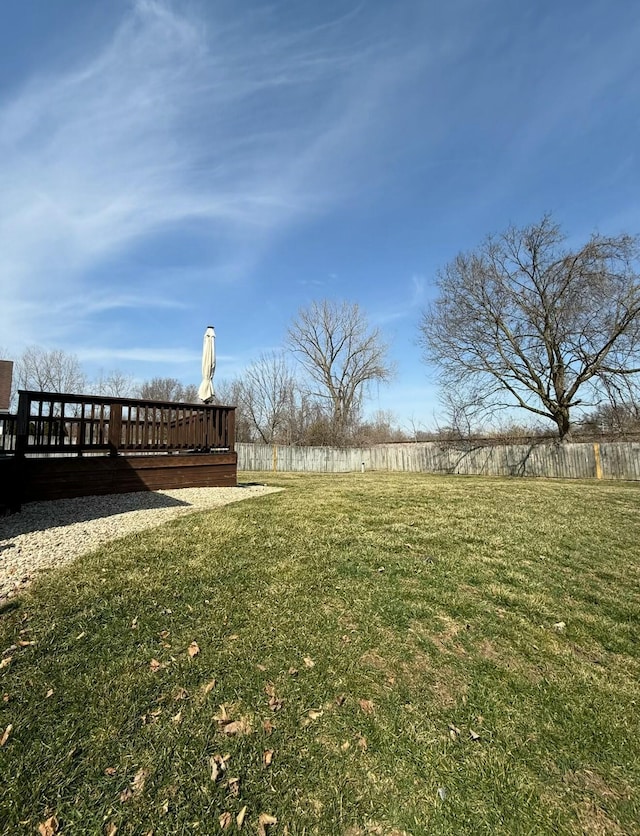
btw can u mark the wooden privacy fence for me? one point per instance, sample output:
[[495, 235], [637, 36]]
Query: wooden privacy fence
[[584, 460]]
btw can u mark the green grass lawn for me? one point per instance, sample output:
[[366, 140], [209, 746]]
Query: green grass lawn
[[392, 654]]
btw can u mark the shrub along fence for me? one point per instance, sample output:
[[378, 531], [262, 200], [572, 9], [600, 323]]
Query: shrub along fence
[[584, 460]]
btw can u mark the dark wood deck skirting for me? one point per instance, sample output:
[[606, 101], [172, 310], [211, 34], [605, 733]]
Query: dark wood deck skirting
[[59, 478]]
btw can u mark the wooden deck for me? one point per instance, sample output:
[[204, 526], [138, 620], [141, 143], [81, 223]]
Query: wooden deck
[[58, 478], [60, 446]]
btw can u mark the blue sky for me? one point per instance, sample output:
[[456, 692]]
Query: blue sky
[[167, 165]]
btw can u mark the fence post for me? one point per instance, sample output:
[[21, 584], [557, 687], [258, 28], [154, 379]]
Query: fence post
[[115, 428], [598, 460]]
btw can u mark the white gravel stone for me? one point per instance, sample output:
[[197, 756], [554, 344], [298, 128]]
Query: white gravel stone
[[48, 534]]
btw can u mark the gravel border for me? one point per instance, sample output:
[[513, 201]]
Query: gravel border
[[45, 535]]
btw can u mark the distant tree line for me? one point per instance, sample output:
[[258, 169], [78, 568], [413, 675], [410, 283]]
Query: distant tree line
[[42, 370]]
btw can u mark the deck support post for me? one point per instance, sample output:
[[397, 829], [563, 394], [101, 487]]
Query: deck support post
[[115, 428]]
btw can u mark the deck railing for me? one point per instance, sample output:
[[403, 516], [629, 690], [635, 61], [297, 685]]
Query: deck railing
[[7, 432], [55, 423]]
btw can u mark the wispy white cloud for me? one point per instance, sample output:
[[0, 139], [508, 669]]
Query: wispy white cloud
[[414, 299], [165, 356], [175, 120]]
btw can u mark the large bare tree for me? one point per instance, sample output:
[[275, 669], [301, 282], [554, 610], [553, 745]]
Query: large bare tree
[[342, 354], [523, 321]]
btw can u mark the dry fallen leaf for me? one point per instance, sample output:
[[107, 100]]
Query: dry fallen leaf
[[312, 715], [110, 770], [134, 623], [80, 636], [275, 703], [110, 829], [137, 785], [234, 786], [23, 643], [237, 727], [49, 693], [268, 727], [267, 757], [264, 820], [209, 687], [340, 699], [559, 626], [126, 795], [293, 671], [261, 667], [222, 716], [193, 649], [181, 694], [49, 827], [5, 735], [215, 769], [366, 706], [177, 718], [474, 735], [362, 742], [225, 820], [156, 666], [5, 662], [308, 662], [346, 745], [240, 817], [218, 765]]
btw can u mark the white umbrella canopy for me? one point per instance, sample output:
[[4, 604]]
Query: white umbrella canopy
[[205, 392]]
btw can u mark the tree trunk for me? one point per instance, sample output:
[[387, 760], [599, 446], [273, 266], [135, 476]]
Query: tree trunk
[[561, 418]]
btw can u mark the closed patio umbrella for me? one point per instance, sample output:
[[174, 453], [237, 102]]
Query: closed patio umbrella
[[205, 392]]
